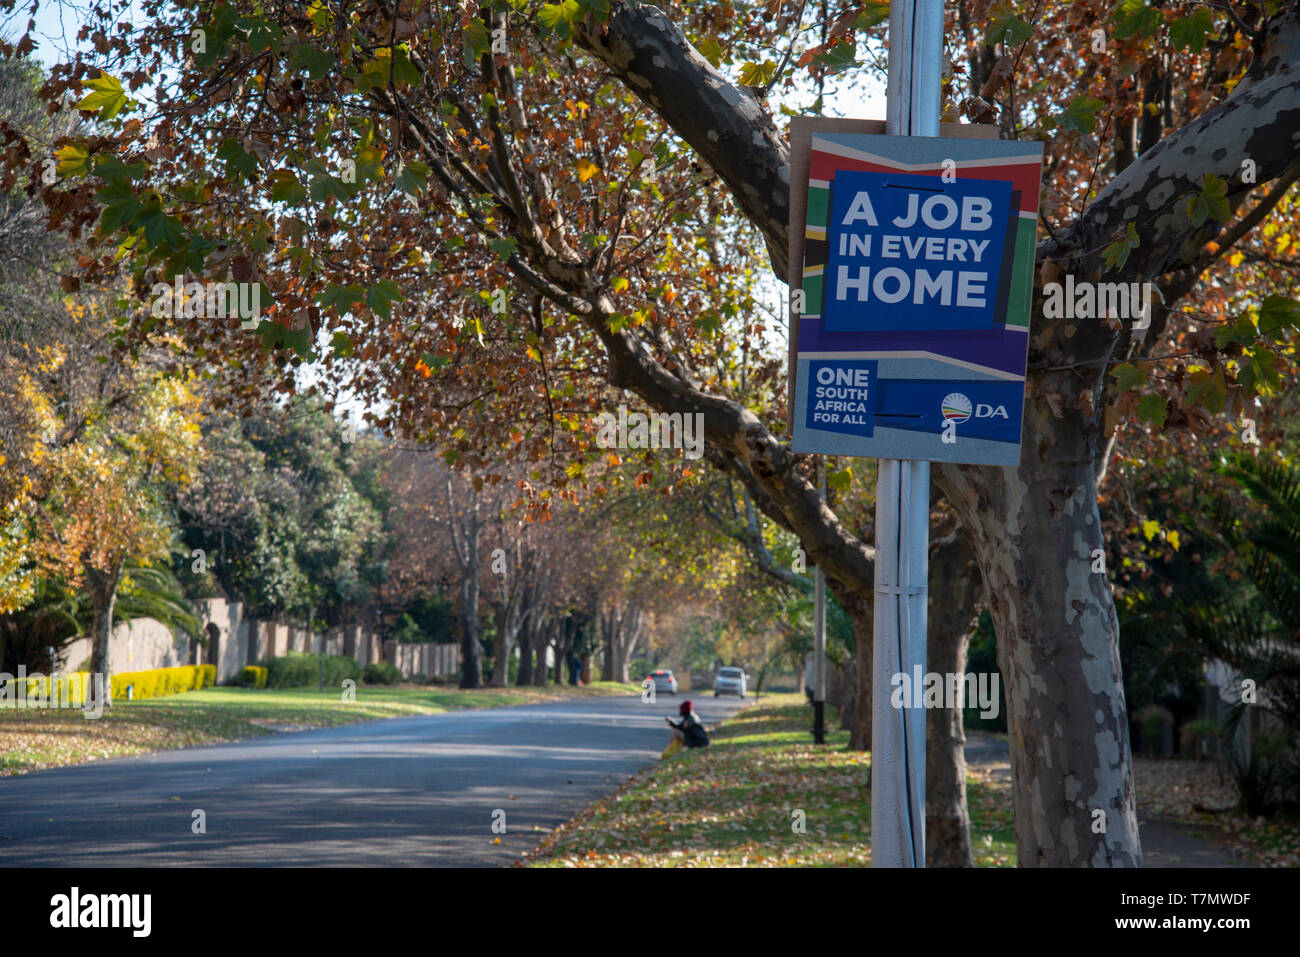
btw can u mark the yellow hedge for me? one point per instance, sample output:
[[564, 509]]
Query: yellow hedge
[[253, 676], [70, 690], [164, 681]]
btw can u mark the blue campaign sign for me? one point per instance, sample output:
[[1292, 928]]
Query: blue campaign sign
[[914, 252], [914, 261], [842, 396]]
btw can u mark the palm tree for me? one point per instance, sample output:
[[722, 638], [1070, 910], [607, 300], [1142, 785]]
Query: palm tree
[[1258, 634]]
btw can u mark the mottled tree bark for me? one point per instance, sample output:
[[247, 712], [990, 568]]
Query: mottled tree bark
[[102, 586], [954, 595]]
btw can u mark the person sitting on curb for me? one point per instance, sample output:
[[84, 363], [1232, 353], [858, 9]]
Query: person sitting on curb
[[689, 731]]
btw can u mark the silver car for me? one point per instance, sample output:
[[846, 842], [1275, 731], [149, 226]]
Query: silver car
[[730, 681], [663, 680]]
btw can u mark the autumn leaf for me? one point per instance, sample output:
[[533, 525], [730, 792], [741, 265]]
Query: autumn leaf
[[107, 97], [587, 169]]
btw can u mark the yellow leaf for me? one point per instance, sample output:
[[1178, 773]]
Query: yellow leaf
[[1173, 539], [1149, 529], [587, 169], [619, 284]]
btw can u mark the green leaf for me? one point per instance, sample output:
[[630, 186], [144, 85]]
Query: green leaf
[[160, 230], [1152, 408], [1242, 332], [504, 248], [306, 58], [840, 481], [1081, 114], [381, 295], [341, 342], [389, 64], [276, 336], [757, 74], [1134, 16], [238, 162], [874, 13], [1210, 202], [1191, 32], [1129, 377], [711, 50], [413, 179], [840, 57], [559, 17], [476, 39], [1116, 254], [330, 187], [435, 363], [1278, 314], [341, 297], [120, 205], [107, 97], [1258, 371], [263, 35], [1207, 390], [285, 188], [1007, 28]]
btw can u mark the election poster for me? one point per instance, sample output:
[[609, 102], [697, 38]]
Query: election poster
[[912, 294]]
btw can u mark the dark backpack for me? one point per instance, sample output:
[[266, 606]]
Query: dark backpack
[[696, 736]]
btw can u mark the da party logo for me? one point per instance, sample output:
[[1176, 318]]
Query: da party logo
[[956, 407]]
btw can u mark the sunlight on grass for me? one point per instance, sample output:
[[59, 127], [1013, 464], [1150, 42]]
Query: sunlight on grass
[[741, 801]]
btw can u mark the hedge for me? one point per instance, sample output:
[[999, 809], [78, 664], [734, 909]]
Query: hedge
[[381, 673], [164, 681], [299, 670], [69, 690], [252, 676]]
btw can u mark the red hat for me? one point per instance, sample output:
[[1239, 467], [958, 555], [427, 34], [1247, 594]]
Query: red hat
[[685, 708]]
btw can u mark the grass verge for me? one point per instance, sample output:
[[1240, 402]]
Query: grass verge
[[32, 739], [741, 802]]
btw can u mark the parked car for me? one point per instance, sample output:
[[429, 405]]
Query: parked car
[[730, 681], [664, 680]]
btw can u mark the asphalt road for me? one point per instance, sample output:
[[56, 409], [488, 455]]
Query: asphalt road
[[419, 791]]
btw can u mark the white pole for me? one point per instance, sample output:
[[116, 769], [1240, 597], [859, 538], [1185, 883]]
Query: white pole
[[903, 510], [819, 636]]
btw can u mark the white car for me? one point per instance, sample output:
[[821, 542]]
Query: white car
[[663, 680], [730, 681]]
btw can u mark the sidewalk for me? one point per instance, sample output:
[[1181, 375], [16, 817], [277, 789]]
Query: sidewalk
[[1165, 842]]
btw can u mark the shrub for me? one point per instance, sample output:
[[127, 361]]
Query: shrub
[[69, 690], [163, 681], [1153, 720], [419, 678], [381, 673], [252, 676], [304, 671]]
